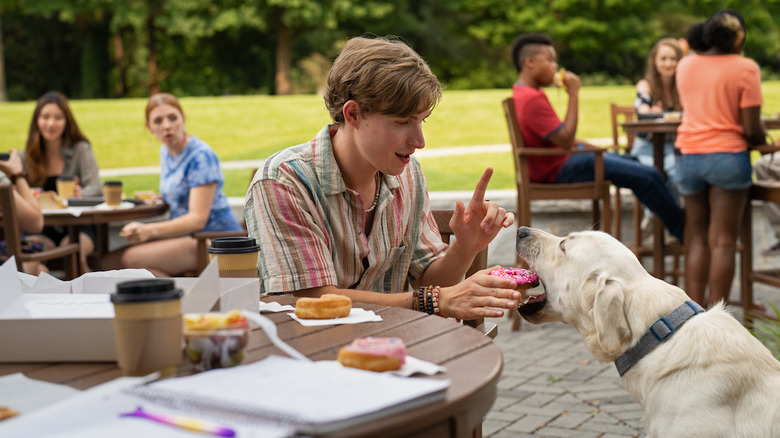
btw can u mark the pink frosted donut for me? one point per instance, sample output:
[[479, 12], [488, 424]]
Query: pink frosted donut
[[374, 354], [524, 278]]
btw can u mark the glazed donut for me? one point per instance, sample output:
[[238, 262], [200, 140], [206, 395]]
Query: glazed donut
[[374, 354], [327, 306], [524, 278]]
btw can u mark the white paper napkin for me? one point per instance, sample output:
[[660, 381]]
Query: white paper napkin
[[414, 365], [73, 211], [273, 306], [122, 206], [356, 316]]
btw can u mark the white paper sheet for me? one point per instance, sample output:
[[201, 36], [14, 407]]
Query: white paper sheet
[[95, 414], [26, 395], [318, 397]]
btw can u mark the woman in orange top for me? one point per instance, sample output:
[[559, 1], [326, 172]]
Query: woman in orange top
[[721, 93]]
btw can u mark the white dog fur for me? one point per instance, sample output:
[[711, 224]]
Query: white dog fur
[[710, 379]]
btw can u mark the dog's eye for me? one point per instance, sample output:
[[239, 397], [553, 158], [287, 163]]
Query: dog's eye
[[562, 248]]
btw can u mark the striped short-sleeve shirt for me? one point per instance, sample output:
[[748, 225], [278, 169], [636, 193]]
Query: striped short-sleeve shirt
[[310, 225]]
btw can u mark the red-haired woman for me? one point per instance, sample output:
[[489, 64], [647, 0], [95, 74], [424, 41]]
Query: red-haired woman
[[191, 183]]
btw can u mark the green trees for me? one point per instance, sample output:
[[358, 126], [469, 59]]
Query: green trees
[[116, 48]]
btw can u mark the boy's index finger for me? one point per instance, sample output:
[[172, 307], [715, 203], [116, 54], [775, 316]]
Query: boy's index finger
[[482, 184]]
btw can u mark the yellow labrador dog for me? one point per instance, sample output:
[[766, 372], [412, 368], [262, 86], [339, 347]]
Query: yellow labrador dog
[[695, 373]]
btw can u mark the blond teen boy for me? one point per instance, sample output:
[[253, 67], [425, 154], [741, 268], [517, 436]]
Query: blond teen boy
[[348, 212]]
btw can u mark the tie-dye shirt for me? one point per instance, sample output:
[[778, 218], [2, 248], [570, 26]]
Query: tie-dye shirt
[[196, 165], [310, 225]]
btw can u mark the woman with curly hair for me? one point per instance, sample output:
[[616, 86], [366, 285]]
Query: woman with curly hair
[[721, 93]]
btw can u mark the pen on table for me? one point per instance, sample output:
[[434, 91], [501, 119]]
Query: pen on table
[[183, 422]]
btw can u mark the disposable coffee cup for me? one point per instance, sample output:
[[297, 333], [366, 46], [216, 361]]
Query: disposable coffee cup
[[148, 327], [66, 187], [236, 256], [112, 193]]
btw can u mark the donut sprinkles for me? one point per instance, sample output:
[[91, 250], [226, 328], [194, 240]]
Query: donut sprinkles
[[520, 276]]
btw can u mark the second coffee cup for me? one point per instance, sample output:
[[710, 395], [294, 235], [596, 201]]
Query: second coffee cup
[[236, 256], [66, 186], [112, 193], [148, 326]]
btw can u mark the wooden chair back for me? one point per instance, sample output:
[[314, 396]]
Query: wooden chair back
[[626, 113], [69, 253], [622, 114], [596, 191], [764, 191], [442, 218], [204, 237]]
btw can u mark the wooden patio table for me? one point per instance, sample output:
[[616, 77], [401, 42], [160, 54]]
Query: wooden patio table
[[473, 363]]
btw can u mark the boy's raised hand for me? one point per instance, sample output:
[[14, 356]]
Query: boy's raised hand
[[477, 224]]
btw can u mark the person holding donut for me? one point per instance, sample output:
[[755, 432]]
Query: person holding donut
[[348, 212], [536, 61]]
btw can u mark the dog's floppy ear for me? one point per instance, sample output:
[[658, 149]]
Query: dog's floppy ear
[[609, 317]]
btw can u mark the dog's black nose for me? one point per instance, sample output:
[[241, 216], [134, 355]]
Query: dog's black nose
[[523, 232]]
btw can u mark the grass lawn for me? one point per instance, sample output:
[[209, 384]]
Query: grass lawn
[[254, 127]]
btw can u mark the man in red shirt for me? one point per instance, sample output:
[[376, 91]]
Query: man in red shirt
[[535, 59]]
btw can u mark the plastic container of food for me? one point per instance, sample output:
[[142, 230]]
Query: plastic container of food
[[215, 340]]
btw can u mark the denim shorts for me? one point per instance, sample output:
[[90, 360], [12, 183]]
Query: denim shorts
[[731, 171]]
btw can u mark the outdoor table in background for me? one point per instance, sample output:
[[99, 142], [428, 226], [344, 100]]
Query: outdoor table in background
[[659, 128], [101, 218], [473, 363]]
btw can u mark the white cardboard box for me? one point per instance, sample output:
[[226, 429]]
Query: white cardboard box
[[72, 321]]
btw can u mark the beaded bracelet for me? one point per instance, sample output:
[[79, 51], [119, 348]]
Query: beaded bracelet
[[426, 299], [435, 293], [421, 299]]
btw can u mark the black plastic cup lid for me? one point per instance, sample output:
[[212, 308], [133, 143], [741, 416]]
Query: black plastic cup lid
[[65, 178], [233, 245], [142, 291], [113, 183]]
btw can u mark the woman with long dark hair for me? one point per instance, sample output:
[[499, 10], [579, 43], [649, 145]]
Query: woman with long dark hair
[[55, 148]]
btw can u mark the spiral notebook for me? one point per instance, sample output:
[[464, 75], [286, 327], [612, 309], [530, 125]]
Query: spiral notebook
[[312, 397]]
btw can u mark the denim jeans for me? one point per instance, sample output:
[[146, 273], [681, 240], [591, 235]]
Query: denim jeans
[[644, 181], [642, 150], [731, 171]]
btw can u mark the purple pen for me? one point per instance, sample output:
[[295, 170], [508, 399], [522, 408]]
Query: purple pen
[[183, 422]]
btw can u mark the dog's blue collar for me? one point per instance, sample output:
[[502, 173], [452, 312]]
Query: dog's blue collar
[[658, 332]]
